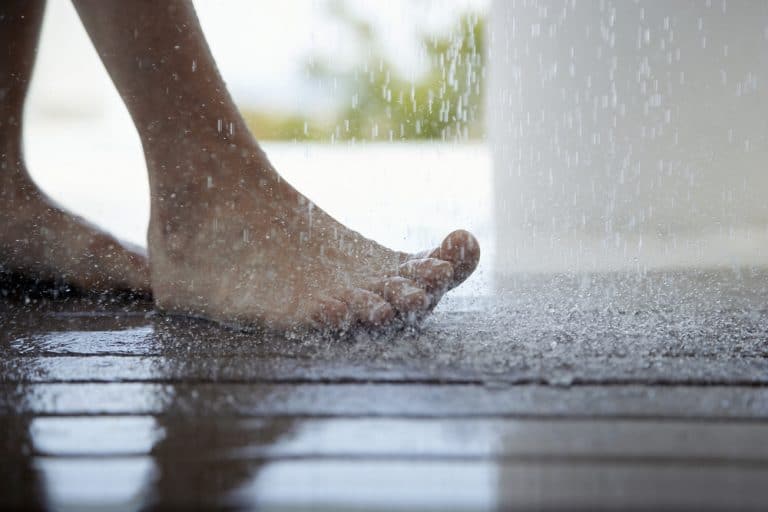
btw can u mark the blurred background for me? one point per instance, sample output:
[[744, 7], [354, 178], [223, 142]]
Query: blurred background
[[629, 137]]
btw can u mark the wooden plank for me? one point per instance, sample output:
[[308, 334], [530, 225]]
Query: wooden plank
[[500, 330], [436, 486], [395, 484], [392, 438], [274, 369], [412, 400]]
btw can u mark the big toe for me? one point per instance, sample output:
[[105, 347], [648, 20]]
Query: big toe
[[461, 249]]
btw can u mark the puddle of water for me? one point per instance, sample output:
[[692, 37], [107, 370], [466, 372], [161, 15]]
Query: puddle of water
[[118, 341]]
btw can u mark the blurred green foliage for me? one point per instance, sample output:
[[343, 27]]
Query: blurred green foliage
[[446, 102]]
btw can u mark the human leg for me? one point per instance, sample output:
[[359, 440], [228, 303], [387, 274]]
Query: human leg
[[229, 239], [39, 240]]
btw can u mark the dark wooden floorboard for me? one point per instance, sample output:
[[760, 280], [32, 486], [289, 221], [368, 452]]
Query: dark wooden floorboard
[[563, 440], [749, 371], [647, 396], [405, 400], [342, 484]]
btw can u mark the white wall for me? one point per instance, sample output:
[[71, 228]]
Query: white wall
[[629, 135]]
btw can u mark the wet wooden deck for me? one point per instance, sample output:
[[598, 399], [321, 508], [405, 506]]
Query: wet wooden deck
[[490, 405]]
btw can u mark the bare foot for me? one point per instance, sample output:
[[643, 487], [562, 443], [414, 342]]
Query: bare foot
[[229, 240], [245, 247], [40, 241]]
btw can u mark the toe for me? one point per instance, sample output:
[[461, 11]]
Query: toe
[[401, 293], [432, 274], [366, 308], [462, 251], [330, 313]]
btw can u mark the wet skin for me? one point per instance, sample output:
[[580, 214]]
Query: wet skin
[[42, 242], [39, 240], [229, 239], [261, 253]]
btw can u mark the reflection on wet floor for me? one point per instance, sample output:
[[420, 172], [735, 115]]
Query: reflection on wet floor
[[414, 464], [524, 400], [82, 484]]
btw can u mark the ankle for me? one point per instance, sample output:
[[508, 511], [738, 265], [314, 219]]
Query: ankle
[[205, 166]]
